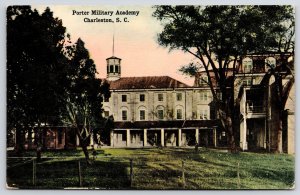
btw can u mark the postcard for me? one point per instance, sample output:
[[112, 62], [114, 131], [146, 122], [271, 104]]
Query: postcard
[[194, 97]]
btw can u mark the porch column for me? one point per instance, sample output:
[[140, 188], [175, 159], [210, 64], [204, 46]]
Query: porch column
[[215, 137], [77, 140], [112, 138], [145, 137], [162, 137], [91, 140], [265, 134], [179, 137], [243, 135], [127, 137], [98, 140], [197, 136]]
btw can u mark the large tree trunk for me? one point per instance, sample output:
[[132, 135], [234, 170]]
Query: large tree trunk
[[231, 139], [228, 126], [83, 144], [85, 150]]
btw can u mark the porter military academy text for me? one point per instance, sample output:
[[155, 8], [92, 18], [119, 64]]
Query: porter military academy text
[[106, 16]]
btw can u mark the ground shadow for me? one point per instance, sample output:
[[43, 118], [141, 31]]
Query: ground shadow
[[60, 174]]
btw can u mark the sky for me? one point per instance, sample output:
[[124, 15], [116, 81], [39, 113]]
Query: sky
[[135, 41]]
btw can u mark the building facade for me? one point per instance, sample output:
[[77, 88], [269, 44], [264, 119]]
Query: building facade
[[161, 111]]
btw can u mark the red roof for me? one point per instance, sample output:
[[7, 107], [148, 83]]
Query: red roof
[[148, 82]]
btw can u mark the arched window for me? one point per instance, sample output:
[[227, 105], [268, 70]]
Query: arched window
[[179, 112], [142, 113], [106, 112], [124, 114], [160, 112], [116, 69]]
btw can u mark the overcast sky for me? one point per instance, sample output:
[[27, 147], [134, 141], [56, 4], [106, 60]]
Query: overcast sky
[[135, 41]]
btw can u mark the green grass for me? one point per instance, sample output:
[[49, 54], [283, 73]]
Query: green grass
[[156, 169]]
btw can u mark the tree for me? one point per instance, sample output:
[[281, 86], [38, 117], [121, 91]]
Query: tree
[[218, 37], [35, 61], [84, 96], [284, 43], [49, 80]]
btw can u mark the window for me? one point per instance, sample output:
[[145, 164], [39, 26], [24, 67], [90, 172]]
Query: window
[[179, 114], [117, 69], [179, 96], [203, 96], [270, 62], [203, 80], [142, 115], [124, 115], [160, 114], [111, 68], [142, 97], [60, 136], [106, 113], [124, 98], [203, 114], [160, 97], [247, 82], [247, 64], [219, 95]]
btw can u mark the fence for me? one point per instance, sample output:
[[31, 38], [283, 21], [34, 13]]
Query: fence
[[115, 173]]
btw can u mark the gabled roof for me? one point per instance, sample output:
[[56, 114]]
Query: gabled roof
[[147, 82]]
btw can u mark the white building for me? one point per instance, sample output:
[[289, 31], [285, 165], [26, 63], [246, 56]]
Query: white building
[[161, 111]]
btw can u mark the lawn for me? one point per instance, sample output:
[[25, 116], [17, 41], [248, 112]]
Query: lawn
[[153, 168]]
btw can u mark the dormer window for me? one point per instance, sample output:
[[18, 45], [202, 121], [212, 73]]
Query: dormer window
[[203, 80], [270, 62], [247, 65]]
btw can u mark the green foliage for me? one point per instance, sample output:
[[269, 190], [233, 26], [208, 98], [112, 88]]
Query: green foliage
[[84, 96], [47, 75], [34, 64], [219, 36], [190, 70]]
